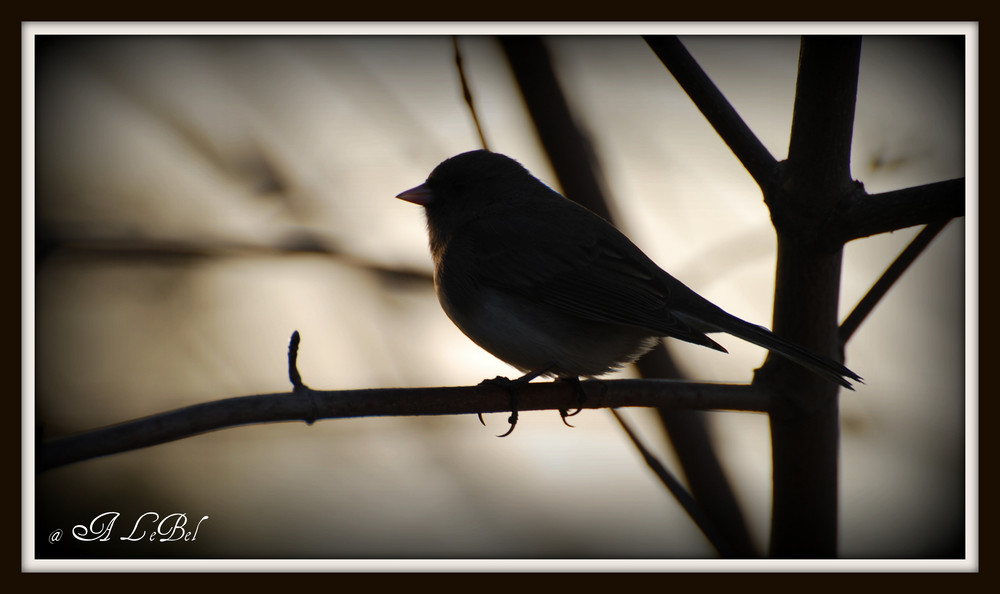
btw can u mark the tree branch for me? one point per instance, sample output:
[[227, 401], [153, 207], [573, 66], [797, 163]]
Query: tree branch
[[888, 278], [864, 214], [688, 431], [565, 143], [308, 405], [716, 108], [805, 419], [701, 519], [573, 160], [467, 93], [819, 152]]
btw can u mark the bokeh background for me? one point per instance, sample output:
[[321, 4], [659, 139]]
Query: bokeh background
[[199, 197]]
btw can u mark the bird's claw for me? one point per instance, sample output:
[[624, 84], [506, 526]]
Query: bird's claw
[[512, 419], [580, 397], [511, 386], [564, 413]]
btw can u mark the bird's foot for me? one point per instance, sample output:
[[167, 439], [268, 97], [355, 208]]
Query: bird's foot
[[511, 387], [580, 397]]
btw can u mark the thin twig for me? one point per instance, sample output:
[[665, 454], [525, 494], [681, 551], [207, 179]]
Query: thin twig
[[888, 278], [679, 492], [467, 93], [293, 370], [692, 442], [298, 387]]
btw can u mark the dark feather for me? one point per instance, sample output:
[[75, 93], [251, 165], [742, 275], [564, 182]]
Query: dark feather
[[584, 276]]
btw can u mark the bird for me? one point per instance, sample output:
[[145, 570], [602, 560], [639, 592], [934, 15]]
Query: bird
[[555, 290]]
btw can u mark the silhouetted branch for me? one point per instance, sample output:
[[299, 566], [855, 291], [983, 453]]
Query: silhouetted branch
[[869, 214], [689, 434], [716, 108], [307, 405], [805, 417], [574, 162], [826, 91], [816, 207], [675, 487], [467, 93], [888, 278]]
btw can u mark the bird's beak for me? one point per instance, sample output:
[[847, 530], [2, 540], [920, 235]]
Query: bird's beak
[[421, 195]]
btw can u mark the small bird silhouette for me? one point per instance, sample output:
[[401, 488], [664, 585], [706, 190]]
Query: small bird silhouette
[[553, 289]]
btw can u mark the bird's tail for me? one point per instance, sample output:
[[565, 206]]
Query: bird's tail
[[763, 337]]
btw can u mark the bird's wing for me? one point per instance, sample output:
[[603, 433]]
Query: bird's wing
[[602, 278]]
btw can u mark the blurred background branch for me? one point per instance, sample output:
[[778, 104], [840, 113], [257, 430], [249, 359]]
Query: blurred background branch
[[575, 162]]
